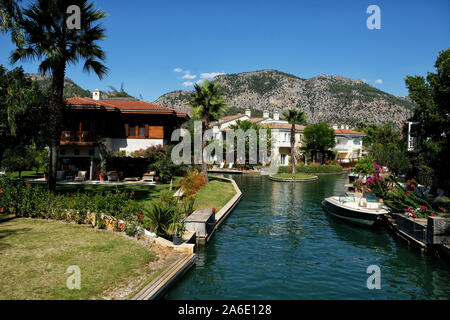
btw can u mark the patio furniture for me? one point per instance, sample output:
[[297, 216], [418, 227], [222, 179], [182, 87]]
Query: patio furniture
[[230, 166], [81, 177], [149, 177], [221, 165], [112, 176]]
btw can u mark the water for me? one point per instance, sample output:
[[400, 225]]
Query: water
[[279, 244]]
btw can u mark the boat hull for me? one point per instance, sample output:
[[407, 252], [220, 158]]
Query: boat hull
[[361, 218]]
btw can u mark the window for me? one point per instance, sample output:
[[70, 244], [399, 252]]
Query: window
[[283, 158], [136, 130]]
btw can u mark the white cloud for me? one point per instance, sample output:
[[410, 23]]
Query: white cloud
[[379, 81], [177, 70], [210, 75], [189, 76], [188, 84], [191, 83]]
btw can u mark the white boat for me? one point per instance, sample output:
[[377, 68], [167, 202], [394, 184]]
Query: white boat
[[354, 207]]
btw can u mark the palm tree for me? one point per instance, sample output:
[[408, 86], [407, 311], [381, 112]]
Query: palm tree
[[294, 117], [47, 38], [10, 17], [209, 106]]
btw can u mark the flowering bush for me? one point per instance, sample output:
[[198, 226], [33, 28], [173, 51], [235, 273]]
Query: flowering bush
[[192, 182]]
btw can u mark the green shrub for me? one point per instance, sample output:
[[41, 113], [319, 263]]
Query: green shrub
[[332, 168]]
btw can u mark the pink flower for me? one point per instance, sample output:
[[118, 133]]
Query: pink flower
[[433, 215], [423, 208], [408, 210], [442, 209], [407, 191]]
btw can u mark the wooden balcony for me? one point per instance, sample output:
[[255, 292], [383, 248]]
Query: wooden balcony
[[77, 138]]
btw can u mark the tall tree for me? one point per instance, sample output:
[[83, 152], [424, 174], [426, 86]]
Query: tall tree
[[22, 111], [209, 105], [48, 38], [318, 139], [294, 117], [432, 112]]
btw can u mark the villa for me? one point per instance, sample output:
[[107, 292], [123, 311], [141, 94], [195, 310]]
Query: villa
[[349, 146], [124, 124]]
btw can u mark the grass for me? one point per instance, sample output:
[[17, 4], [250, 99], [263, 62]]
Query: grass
[[298, 175], [28, 175], [35, 254], [215, 195], [313, 169]]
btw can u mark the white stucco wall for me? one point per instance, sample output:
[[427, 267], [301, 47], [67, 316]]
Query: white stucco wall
[[130, 145]]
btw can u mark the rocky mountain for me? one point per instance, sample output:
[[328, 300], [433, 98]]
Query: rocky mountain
[[325, 98], [71, 89]]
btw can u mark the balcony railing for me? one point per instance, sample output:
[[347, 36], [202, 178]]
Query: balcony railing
[[77, 137]]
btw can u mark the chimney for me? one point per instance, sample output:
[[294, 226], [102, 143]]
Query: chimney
[[335, 126], [266, 114], [96, 95], [276, 115], [248, 113]]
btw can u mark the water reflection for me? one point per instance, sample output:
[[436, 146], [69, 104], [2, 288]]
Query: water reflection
[[279, 244]]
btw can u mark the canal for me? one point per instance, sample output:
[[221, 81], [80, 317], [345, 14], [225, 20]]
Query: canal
[[279, 244]]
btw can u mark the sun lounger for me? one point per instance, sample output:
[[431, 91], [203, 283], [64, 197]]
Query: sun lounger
[[81, 176]]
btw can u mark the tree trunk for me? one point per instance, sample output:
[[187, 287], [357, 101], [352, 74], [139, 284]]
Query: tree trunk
[[293, 148], [204, 162], [56, 117]]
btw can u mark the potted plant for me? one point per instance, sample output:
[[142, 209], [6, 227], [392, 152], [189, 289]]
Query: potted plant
[[178, 233], [102, 176], [176, 228]]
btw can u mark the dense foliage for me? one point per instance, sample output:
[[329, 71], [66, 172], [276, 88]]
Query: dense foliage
[[314, 168], [318, 139]]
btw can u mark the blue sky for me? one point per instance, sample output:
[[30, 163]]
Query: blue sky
[[148, 40]]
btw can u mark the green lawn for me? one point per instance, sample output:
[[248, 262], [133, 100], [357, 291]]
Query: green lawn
[[298, 175], [35, 254], [215, 195], [28, 175]]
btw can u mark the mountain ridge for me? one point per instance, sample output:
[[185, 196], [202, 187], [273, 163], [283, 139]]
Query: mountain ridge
[[324, 98]]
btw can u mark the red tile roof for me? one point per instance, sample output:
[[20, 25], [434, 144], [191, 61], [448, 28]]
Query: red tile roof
[[124, 105], [347, 131], [283, 126]]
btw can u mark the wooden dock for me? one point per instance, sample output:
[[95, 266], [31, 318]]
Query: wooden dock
[[159, 286]]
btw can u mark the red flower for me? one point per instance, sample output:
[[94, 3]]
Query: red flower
[[214, 210], [414, 215], [142, 217], [1, 210], [132, 192], [39, 204], [1, 191], [433, 215], [121, 224], [117, 194], [407, 191]]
